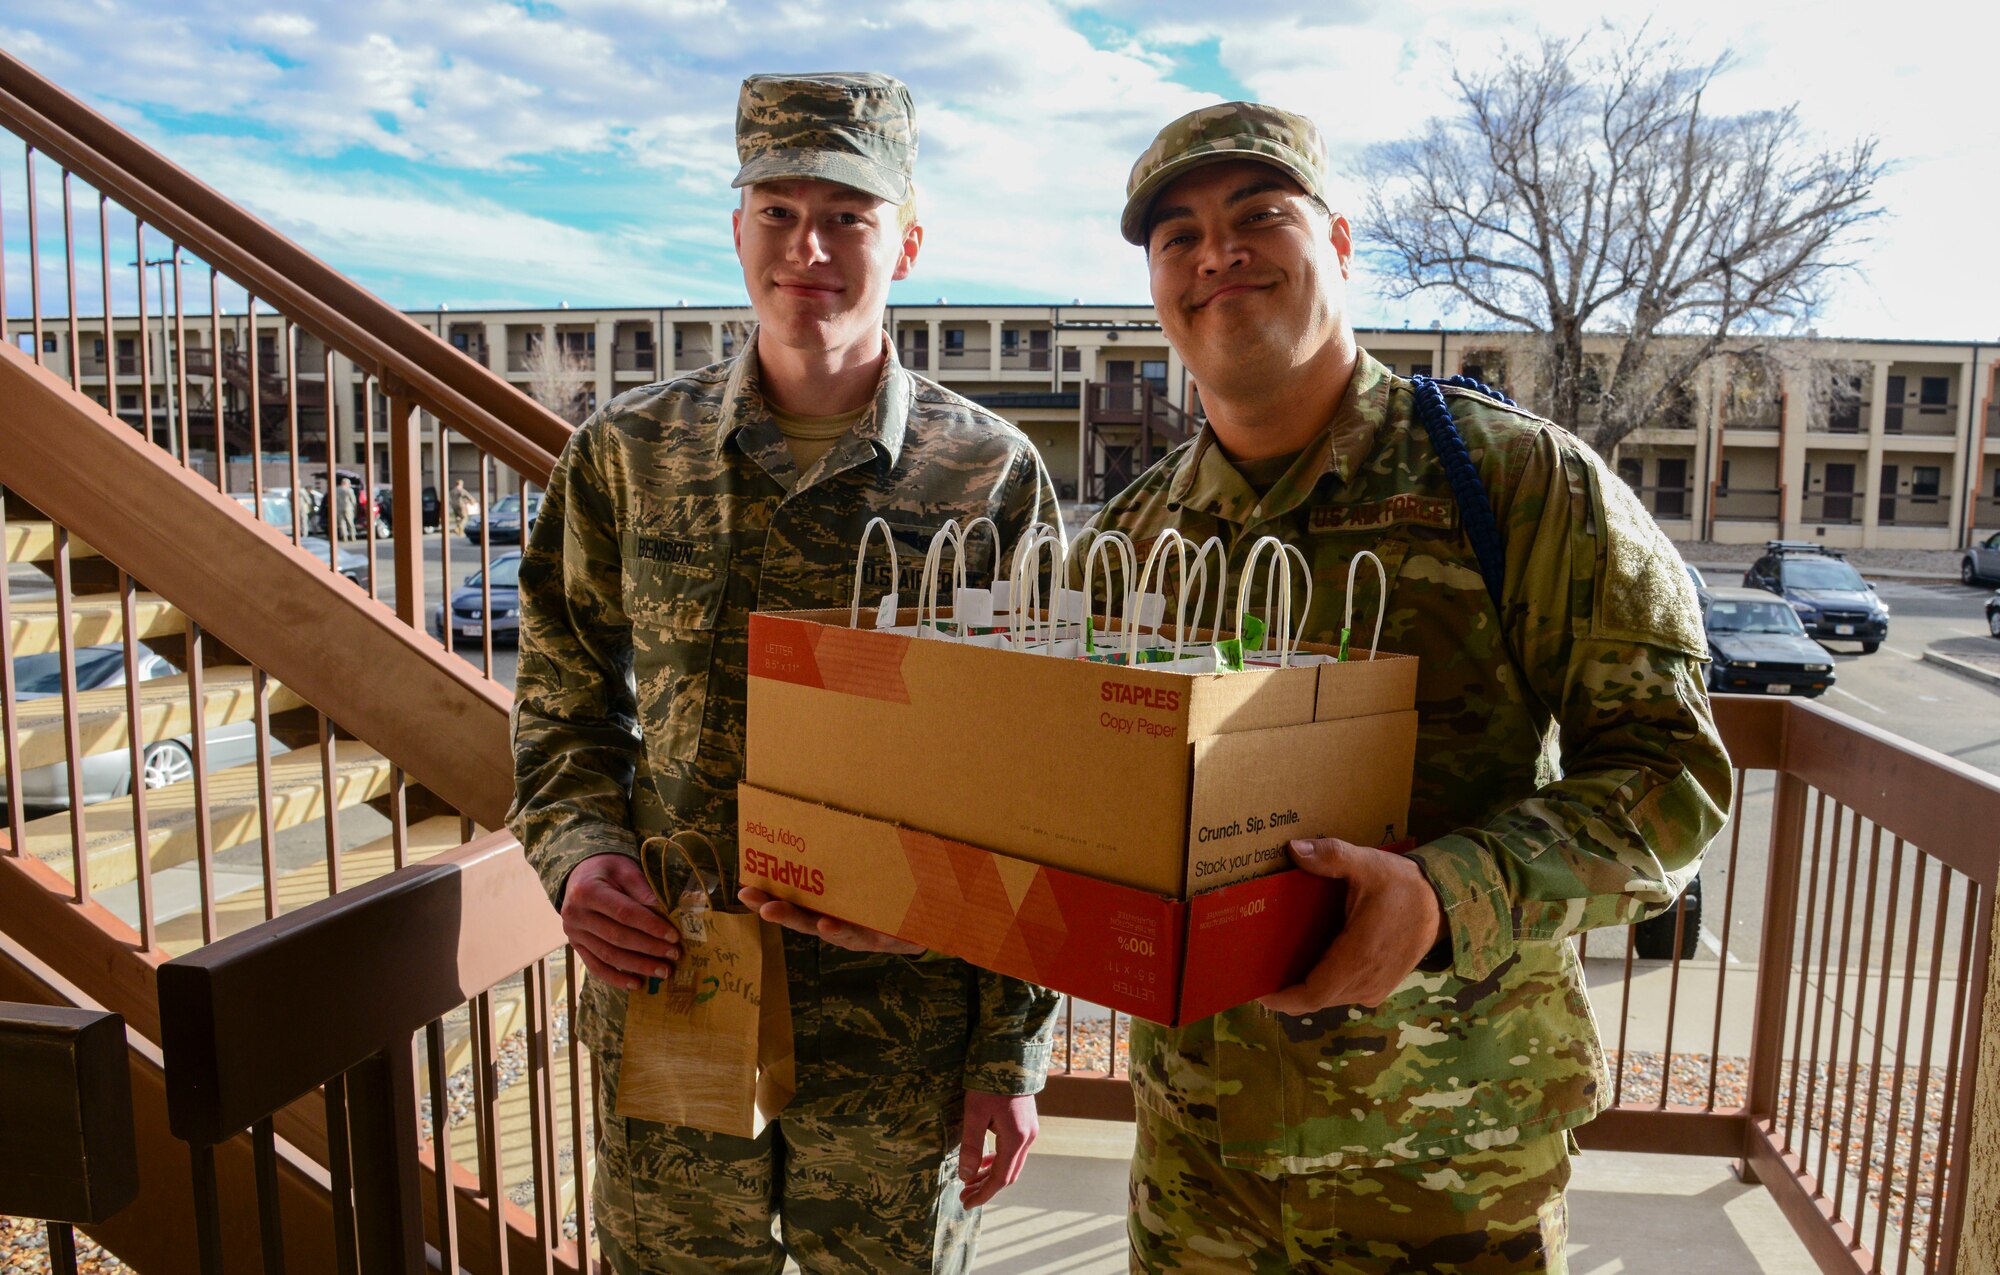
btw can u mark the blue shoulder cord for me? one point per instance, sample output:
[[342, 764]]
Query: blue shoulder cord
[[1475, 511]]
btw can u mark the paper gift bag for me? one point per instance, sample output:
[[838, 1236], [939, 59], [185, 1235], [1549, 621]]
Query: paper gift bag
[[711, 1047]]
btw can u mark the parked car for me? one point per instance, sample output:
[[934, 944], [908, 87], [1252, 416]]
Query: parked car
[[507, 528], [278, 512], [1993, 614], [1981, 561], [109, 774], [1829, 595], [1757, 645], [385, 500], [467, 619]]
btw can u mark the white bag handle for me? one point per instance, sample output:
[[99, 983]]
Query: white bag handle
[[1305, 612], [1027, 591], [1221, 580], [927, 588], [1381, 608], [1128, 558], [861, 560], [1153, 558], [993, 528], [1278, 576]]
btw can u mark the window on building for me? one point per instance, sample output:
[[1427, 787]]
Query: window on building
[[1420, 369], [48, 343], [954, 340], [128, 402], [1010, 340], [97, 349], [267, 349], [124, 347], [461, 340], [642, 339], [1925, 480], [1934, 391], [1154, 373], [532, 341], [1072, 360], [1722, 483], [677, 342], [1630, 468]]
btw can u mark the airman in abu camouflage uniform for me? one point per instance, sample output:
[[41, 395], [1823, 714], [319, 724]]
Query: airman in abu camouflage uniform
[[1407, 1107], [673, 513]]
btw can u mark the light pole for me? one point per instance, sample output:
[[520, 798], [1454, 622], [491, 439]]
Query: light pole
[[166, 353]]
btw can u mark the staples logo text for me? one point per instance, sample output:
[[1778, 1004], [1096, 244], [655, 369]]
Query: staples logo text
[[1153, 697]]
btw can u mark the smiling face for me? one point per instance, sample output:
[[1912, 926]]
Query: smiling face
[[1249, 274], [818, 259]]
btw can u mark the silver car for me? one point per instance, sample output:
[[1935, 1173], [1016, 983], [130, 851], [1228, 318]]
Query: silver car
[[108, 775], [1981, 561]]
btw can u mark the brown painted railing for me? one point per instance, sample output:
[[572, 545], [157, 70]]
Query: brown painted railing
[[140, 239], [1127, 425]]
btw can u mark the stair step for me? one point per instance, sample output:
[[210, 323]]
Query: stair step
[[228, 693], [95, 620], [36, 542], [296, 889], [360, 774]]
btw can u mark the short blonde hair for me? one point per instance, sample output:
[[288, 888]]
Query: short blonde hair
[[906, 212]]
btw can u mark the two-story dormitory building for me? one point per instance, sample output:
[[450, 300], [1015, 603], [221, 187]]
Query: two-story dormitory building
[[1908, 456]]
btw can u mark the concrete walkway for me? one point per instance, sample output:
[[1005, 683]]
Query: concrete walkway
[[1629, 1214]]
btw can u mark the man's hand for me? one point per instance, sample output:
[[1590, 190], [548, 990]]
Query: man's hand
[[608, 913], [1014, 1127], [855, 938], [1393, 920]]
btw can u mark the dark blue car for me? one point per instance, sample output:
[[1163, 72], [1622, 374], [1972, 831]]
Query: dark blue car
[[469, 619], [1829, 596]]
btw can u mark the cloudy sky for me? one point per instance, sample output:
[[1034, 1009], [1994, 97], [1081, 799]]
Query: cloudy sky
[[483, 153]]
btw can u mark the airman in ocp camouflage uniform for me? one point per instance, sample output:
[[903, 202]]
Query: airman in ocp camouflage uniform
[[674, 513], [1568, 771]]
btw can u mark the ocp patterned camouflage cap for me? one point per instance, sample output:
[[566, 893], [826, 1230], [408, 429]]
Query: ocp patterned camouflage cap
[[1232, 130], [855, 128]]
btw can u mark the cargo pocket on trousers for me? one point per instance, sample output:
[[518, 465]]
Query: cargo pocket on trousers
[[674, 608]]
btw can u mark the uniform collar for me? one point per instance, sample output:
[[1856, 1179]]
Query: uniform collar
[[745, 414], [1205, 479]]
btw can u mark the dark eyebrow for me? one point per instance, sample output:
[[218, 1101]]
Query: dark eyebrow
[[1251, 191]]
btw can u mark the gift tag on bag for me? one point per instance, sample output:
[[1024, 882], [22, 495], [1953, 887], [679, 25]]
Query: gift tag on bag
[[711, 1047]]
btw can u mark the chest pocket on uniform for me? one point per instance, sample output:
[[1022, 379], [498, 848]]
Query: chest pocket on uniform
[[673, 593]]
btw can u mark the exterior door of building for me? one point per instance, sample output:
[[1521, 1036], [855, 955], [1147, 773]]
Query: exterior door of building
[[1670, 501], [1122, 394], [1837, 504], [1892, 413], [1885, 500]]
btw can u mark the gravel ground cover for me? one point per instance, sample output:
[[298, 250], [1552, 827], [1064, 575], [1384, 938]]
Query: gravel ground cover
[[24, 1250]]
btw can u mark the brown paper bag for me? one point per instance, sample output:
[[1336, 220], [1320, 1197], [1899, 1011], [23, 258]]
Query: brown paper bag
[[710, 1048]]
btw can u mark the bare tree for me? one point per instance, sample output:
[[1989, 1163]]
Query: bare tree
[[1583, 187], [558, 378]]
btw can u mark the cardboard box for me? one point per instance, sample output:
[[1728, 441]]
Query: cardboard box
[[1165, 782], [1169, 960]]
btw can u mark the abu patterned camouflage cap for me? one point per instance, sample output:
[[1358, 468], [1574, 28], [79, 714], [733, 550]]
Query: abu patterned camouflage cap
[[1233, 130], [855, 128]]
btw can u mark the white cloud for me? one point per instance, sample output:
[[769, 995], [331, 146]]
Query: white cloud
[[487, 109]]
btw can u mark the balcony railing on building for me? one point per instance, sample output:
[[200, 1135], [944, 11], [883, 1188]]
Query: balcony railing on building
[[1748, 504], [1754, 416], [690, 355], [1024, 360], [964, 356], [633, 358], [1842, 418], [1931, 419], [1833, 508], [1929, 510], [1667, 502]]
